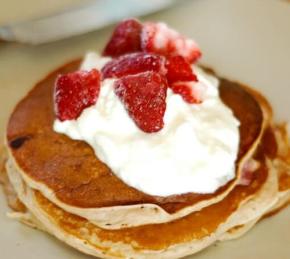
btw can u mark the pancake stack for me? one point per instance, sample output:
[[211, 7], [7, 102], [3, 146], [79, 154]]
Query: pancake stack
[[58, 184]]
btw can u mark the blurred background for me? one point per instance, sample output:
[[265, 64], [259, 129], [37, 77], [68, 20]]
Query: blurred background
[[14, 10]]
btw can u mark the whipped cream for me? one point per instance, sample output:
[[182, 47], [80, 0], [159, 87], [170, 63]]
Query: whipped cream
[[194, 152]]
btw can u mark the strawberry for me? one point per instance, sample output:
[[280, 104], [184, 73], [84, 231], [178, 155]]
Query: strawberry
[[133, 63], [160, 39], [191, 92], [125, 39], [178, 69], [144, 97], [248, 172], [74, 92]]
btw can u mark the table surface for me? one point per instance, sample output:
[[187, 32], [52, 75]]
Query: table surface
[[246, 40]]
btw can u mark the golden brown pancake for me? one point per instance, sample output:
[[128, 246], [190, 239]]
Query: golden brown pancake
[[71, 169], [196, 226], [37, 150], [191, 232]]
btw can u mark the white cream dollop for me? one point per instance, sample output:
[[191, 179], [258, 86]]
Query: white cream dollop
[[194, 152]]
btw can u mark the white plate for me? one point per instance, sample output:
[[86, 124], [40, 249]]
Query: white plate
[[246, 40]]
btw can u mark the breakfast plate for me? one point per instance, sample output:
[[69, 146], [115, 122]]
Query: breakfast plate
[[238, 40]]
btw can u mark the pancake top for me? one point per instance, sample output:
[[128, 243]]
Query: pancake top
[[71, 169]]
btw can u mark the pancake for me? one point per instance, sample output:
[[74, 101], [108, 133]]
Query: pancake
[[51, 162], [226, 219], [168, 240], [244, 205]]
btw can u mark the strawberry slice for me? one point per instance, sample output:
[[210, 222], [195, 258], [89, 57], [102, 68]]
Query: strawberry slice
[[160, 39], [144, 97], [191, 92], [125, 39], [74, 92], [178, 69], [248, 172], [133, 63]]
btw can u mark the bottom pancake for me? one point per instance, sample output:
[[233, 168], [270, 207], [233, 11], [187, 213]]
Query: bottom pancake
[[169, 240]]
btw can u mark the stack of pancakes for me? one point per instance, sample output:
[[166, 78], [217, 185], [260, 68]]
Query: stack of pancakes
[[58, 185]]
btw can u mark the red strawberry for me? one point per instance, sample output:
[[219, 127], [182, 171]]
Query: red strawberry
[[178, 69], [160, 39], [74, 92], [148, 39], [191, 92], [125, 39], [133, 63], [144, 97]]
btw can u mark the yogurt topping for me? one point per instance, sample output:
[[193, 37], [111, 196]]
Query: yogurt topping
[[194, 152]]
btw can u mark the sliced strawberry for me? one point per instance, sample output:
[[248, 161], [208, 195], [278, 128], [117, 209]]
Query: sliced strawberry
[[125, 39], [74, 92], [160, 39], [191, 92], [178, 69], [149, 41], [133, 63], [246, 178], [144, 97], [248, 172]]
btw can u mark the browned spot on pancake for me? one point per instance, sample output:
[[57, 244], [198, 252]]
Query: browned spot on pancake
[[284, 181], [269, 143], [71, 169], [18, 142]]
